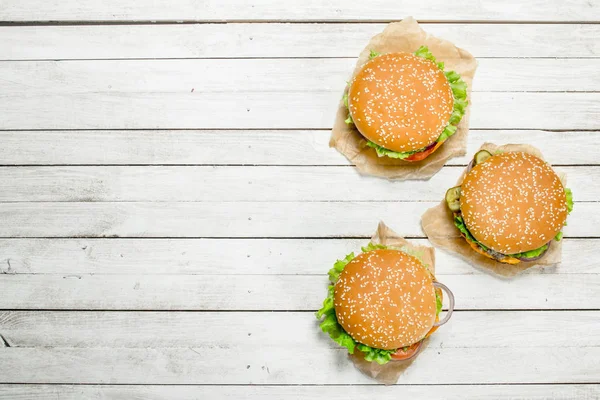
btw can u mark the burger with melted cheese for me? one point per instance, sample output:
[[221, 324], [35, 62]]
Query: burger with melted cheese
[[510, 206], [405, 105], [384, 303]]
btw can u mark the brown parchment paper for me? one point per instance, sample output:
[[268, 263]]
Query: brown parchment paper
[[406, 36], [438, 225], [390, 372]]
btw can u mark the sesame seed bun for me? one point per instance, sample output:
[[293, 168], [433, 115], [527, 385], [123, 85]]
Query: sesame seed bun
[[513, 202], [400, 101], [385, 299]]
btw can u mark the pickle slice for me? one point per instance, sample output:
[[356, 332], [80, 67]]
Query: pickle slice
[[453, 199], [481, 156]]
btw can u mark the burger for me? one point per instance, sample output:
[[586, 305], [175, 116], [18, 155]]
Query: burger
[[383, 303], [510, 206], [405, 105]]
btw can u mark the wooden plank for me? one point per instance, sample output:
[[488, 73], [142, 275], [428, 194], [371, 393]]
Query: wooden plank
[[275, 292], [222, 219], [273, 75], [227, 256], [165, 184], [247, 147], [297, 10], [158, 94], [282, 40], [190, 392], [85, 329], [291, 365], [41, 109]]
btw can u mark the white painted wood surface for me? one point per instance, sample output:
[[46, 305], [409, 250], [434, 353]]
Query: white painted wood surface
[[298, 10], [269, 292], [245, 147], [255, 392], [242, 76], [224, 257], [243, 40], [290, 219], [143, 108], [210, 184], [142, 260], [86, 329], [288, 365], [144, 94]]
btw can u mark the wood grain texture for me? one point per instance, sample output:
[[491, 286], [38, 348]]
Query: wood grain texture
[[205, 330], [200, 268], [157, 94], [228, 257], [233, 184], [297, 10], [190, 392], [275, 292], [288, 365], [247, 219], [282, 40], [183, 109], [285, 147], [242, 76]]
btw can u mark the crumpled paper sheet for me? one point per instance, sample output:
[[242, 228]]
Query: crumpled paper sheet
[[390, 372], [406, 36], [438, 225]]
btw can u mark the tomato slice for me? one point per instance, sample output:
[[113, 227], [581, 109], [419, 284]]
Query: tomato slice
[[424, 154], [402, 354]]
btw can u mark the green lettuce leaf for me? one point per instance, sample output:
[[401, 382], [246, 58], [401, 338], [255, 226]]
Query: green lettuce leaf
[[459, 92], [348, 119], [531, 253], [558, 236], [378, 355], [460, 224], [382, 151], [569, 195], [374, 54], [372, 246], [330, 325], [424, 52], [338, 267], [438, 303]]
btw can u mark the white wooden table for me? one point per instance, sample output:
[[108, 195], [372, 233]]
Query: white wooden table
[[170, 206]]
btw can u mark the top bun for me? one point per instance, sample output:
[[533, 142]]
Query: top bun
[[385, 299], [400, 101], [513, 202]]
